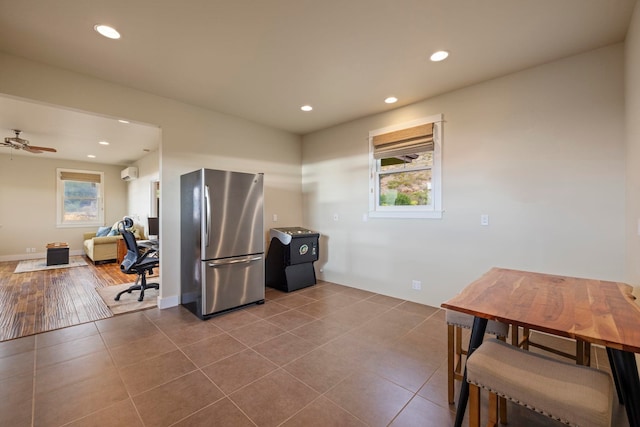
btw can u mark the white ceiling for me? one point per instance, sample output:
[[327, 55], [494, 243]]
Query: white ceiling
[[75, 134], [262, 60]]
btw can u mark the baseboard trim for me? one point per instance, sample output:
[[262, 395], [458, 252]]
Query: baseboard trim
[[37, 255], [167, 302]]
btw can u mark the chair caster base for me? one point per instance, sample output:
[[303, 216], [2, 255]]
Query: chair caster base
[[138, 288]]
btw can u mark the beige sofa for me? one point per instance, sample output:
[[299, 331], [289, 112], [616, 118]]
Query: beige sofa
[[100, 249], [105, 249]]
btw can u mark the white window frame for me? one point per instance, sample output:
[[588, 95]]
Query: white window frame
[[433, 210], [60, 222]]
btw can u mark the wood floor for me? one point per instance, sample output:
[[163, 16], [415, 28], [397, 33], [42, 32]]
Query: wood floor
[[51, 299]]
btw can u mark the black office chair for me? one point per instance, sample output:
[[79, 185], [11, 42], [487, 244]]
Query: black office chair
[[138, 261]]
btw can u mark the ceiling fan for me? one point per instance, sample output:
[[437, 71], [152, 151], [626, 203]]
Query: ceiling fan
[[22, 144]]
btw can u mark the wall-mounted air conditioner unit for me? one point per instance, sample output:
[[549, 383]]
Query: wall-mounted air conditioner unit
[[129, 173]]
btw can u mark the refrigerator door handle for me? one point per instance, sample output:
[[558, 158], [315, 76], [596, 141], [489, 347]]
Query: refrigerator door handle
[[235, 261], [207, 217]]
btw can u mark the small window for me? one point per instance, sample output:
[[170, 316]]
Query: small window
[[80, 198], [406, 169]]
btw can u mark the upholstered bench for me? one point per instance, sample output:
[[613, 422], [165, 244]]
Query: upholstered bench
[[572, 394], [457, 321]]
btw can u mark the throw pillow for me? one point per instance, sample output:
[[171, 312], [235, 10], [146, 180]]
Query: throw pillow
[[103, 231], [113, 233]]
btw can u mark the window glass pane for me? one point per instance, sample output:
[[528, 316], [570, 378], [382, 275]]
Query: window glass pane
[[411, 188], [80, 201], [424, 159]]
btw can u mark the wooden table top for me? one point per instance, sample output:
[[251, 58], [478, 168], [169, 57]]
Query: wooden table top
[[596, 311]]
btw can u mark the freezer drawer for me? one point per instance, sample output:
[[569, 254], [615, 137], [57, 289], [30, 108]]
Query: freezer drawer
[[232, 282]]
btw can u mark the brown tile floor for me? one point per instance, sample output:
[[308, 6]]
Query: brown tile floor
[[328, 355]]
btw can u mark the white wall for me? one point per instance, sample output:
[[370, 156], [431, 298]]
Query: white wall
[[139, 190], [192, 138], [540, 151], [28, 204], [632, 109]]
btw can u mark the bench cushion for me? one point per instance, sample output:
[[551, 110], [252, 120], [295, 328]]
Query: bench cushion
[[464, 320], [573, 394]]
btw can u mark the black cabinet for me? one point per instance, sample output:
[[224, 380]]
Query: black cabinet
[[57, 255], [292, 252]]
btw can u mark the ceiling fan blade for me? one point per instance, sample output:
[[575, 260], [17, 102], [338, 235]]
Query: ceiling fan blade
[[31, 149], [51, 150]]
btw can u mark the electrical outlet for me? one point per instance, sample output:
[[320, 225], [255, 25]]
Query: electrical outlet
[[484, 219], [416, 285], [336, 217]]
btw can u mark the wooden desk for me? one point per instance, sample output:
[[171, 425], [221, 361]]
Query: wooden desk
[[595, 311], [122, 251]]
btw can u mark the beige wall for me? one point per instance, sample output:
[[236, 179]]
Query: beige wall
[[192, 138], [28, 204], [632, 109], [540, 151]]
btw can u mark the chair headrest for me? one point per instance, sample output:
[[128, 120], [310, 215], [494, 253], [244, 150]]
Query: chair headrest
[[124, 224], [128, 222]]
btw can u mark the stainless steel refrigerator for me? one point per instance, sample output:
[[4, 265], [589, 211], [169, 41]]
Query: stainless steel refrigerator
[[222, 240]]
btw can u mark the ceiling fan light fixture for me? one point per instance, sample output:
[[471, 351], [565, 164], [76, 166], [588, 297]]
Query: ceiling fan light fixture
[[107, 31]]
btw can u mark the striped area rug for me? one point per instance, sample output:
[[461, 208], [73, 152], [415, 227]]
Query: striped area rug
[[41, 264]]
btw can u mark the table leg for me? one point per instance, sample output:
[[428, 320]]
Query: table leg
[[626, 370], [614, 374], [477, 334]]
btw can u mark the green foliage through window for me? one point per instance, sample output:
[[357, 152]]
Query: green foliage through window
[[406, 183]]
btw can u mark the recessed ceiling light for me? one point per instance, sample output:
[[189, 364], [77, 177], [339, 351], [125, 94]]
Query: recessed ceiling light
[[107, 31], [91, 156], [391, 100], [306, 108], [103, 142], [439, 55], [126, 122]]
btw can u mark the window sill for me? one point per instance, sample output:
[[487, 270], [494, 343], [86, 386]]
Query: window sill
[[80, 225]]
